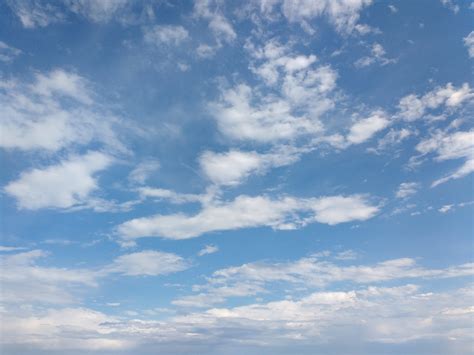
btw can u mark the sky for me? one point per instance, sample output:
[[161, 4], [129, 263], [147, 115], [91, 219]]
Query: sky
[[236, 177]]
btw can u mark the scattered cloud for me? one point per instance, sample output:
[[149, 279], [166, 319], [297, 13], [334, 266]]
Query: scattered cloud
[[53, 112], [208, 249], [64, 185], [250, 212], [449, 146], [413, 107], [377, 56], [469, 43], [147, 263], [365, 128], [407, 189]]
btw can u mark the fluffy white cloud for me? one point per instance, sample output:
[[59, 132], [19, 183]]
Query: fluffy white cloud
[[406, 189], [53, 112], [412, 107], [165, 35], [302, 95], [234, 166], [148, 262], [365, 128], [249, 212], [231, 167], [469, 43], [59, 186]]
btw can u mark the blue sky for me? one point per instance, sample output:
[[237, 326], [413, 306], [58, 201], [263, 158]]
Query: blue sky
[[259, 177]]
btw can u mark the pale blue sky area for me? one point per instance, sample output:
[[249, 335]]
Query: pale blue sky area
[[230, 177]]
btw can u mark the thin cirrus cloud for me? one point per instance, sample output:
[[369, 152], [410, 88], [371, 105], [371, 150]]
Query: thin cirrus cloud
[[251, 212]]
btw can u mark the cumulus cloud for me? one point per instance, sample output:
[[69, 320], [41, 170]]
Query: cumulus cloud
[[413, 107], [232, 167], [302, 95], [251, 212], [64, 185], [54, 111]]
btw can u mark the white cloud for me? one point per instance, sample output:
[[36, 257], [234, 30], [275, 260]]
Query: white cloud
[[301, 94], [142, 171], [148, 263], [60, 82], [343, 14], [448, 146], [407, 189], [22, 272], [208, 249], [346, 255], [313, 272], [445, 208], [469, 43], [172, 196], [232, 167], [59, 186], [451, 5], [365, 128], [165, 35], [8, 53], [219, 25], [378, 55], [53, 112], [250, 212], [412, 107], [392, 138], [35, 13]]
